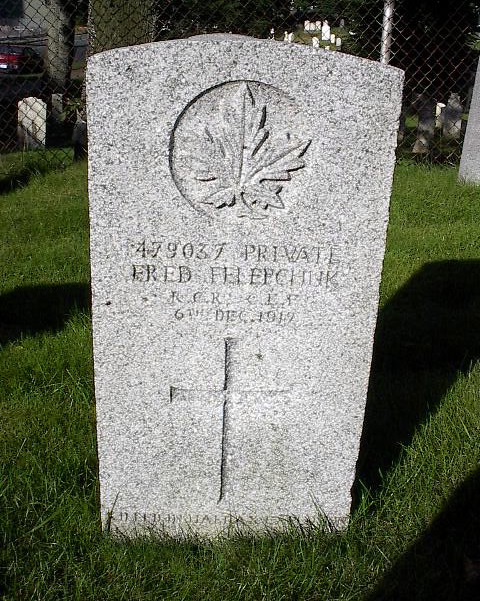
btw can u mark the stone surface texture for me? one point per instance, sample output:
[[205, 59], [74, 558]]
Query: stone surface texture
[[470, 162], [236, 258]]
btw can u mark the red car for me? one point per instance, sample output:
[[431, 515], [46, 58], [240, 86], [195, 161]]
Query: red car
[[20, 59]]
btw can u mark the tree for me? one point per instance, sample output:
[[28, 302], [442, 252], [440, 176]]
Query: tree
[[431, 45], [60, 43], [114, 23], [180, 18]]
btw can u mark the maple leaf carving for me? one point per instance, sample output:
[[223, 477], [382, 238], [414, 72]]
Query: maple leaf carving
[[245, 162]]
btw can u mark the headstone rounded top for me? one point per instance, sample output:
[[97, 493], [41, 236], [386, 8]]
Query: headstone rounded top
[[227, 37], [276, 50]]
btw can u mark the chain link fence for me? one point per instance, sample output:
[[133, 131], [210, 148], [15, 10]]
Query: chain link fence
[[44, 45]]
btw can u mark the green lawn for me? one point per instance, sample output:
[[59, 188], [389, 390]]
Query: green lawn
[[415, 530]]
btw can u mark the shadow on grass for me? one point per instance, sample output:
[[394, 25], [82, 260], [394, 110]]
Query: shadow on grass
[[18, 179], [444, 563], [426, 334], [31, 310], [18, 170]]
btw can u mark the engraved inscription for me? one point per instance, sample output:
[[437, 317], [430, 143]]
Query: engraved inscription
[[228, 155], [250, 283], [137, 517], [173, 519]]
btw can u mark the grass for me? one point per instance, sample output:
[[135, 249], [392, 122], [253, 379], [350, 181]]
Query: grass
[[415, 530], [16, 168]]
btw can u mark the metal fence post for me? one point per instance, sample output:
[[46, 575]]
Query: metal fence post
[[387, 27]]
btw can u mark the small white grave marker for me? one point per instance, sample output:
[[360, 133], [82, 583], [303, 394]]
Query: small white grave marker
[[32, 122], [325, 32], [439, 114]]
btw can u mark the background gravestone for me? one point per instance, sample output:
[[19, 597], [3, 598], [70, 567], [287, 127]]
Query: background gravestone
[[452, 118], [470, 162], [236, 259], [32, 122]]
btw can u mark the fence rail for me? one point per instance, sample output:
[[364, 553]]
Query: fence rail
[[44, 46]]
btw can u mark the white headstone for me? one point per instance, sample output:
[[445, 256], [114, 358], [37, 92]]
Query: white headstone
[[32, 122], [338, 43], [342, 22], [306, 25], [439, 114], [285, 36], [291, 37], [236, 263], [315, 43], [332, 38], [318, 25], [470, 161], [325, 32]]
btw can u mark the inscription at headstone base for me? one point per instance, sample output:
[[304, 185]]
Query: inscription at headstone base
[[236, 258]]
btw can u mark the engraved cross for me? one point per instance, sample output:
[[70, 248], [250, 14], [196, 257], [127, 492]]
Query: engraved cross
[[230, 385]]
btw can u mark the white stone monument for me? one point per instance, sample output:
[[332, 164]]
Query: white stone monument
[[470, 161], [32, 122], [236, 263], [325, 32], [439, 114], [315, 43]]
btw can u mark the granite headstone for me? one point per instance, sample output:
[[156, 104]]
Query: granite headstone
[[470, 162], [236, 260]]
